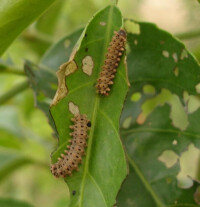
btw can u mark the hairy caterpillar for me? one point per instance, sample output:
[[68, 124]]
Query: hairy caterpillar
[[73, 156], [113, 56]]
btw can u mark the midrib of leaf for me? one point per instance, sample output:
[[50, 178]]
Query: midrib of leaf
[[145, 182], [161, 131], [94, 115], [80, 87]]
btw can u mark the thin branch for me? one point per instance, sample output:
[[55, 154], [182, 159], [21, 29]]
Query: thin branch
[[113, 2], [13, 92], [189, 35], [37, 36], [8, 69]]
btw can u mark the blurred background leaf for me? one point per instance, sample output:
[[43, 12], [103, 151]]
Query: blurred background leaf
[[9, 202], [20, 13]]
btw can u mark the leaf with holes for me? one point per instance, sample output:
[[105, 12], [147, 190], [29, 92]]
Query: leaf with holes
[[103, 167], [43, 78], [158, 117]]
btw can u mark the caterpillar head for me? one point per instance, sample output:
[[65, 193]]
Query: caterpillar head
[[122, 33]]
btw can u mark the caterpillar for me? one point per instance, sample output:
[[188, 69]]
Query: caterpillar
[[69, 161], [112, 59]]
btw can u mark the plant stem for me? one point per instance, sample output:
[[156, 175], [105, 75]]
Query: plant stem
[[113, 2], [14, 91], [189, 35], [7, 69], [37, 36]]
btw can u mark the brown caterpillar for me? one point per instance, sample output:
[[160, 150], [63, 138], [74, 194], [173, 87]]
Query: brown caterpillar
[[113, 56], [73, 156]]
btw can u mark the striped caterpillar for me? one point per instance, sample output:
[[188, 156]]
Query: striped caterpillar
[[113, 56], [73, 156]]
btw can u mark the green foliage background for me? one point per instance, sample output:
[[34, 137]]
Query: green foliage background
[[27, 31]]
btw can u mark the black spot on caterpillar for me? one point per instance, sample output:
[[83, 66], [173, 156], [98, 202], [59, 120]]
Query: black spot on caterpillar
[[73, 156], [113, 56]]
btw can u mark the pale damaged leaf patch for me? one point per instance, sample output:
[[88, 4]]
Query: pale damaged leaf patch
[[102, 23], [175, 57], [127, 122], [64, 70], [176, 71], [132, 27], [184, 54], [165, 53], [87, 65], [178, 114], [198, 88], [73, 108], [169, 158], [135, 42]]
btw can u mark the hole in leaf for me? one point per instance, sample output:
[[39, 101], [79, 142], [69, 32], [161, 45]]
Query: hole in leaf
[[177, 114], [149, 89], [87, 65], [176, 71], [169, 158], [127, 122], [132, 27], [175, 57], [135, 42], [165, 53], [102, 23], [184, 54], [198, 88], [189, 167], [186, 96], [136, 97], [73, 108], [175, 142], [193, 103]]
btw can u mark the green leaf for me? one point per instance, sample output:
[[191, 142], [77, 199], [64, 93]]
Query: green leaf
[[10, 161], [104, 166], [20, 13], [10, 202], [160, 70], [47, 22], [43, 78], [9, 140], [62, 49]]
